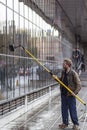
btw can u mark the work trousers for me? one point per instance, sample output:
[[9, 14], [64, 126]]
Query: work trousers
[[68, 105]]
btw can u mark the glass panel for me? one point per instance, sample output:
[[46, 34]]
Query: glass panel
[[29, 35], [21, 24], [16, 21], [22, 54], [26, 25], [10, 61], [10, 3], [30, 28], [38, 42], [21, 8], [26, 11], [37, 20], [41, 23], [30, 15], [44, 25], [3, 1], [16, 5], [34, 17], [26, 33], [10, 25], [22, 39], [55, 33], [16, 33], [2, 50], [2, 19], [34, 49]]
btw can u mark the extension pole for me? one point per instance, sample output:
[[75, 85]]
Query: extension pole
[[54, 76]]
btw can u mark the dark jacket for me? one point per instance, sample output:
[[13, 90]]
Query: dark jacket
[[73, 81]]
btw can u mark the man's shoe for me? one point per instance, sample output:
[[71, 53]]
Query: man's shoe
[[63, 126], [76, 127]]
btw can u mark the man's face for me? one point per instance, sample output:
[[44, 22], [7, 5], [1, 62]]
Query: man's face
[[65, 66]]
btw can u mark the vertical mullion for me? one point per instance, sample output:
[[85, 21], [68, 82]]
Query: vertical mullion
[[13, 58], [6, 83], [19, 43], [24, 44]]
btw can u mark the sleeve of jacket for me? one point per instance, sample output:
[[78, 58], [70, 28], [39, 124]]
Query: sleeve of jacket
[[77, 83], [61, 78]]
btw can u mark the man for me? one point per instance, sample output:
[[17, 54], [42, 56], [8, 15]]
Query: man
[[68, 102], [76, 57]]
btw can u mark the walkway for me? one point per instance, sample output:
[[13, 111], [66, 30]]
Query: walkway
[[48, 115]]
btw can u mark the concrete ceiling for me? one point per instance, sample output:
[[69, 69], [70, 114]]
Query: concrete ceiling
[[67, 14], [76, 12]]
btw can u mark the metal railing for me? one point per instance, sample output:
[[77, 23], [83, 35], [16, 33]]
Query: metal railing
[[13, 104]]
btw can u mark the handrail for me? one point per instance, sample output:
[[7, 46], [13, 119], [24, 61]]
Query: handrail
[[12, 104]]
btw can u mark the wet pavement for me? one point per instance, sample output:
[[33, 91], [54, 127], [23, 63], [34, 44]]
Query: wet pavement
[[48, 116]]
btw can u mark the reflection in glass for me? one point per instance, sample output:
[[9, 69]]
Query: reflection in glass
[[16, 5], [10, 3], [37, 20], [56, 33], [26, 33], [41, 23], [34, 17], [34, 41], [10, 27], [26, 11], [26, 25], [29, 35], [3, 1], [16, 32], [2, 30], [23, 35], [21, 8], [2, 19], [38, 42], [30, 15], [23, 26], [16, 19]]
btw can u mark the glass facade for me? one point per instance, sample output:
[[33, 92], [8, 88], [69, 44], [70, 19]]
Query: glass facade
[[19, 73]]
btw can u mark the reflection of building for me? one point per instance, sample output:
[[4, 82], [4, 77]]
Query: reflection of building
[[11, 27], [47, 46], [29, 23], [1, 42], [9, 33], [13, 36], [49, 50]]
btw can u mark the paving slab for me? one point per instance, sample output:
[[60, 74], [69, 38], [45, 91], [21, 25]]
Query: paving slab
[[48, 116]]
